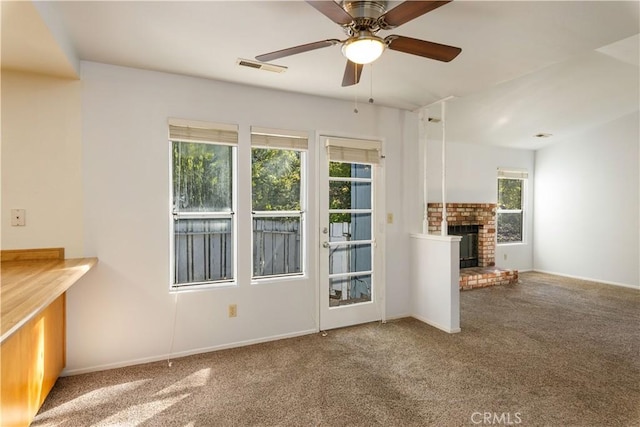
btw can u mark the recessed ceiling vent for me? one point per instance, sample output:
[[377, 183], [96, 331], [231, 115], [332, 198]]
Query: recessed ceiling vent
[[261, 65]]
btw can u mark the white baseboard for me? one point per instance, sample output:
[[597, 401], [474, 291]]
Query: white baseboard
[[436, 325], [589, 279], [165, 357], [398, 317]]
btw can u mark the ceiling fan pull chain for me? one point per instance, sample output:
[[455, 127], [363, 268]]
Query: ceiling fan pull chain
[[371, 84], [355, 96]]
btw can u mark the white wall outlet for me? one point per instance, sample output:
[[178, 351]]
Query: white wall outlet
[[233, 310], [18, 217], [505, 257]]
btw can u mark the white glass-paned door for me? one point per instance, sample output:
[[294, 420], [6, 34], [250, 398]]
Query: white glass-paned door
[[349, 283]]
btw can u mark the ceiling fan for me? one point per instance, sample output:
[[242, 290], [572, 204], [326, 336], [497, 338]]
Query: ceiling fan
[[361, 20]]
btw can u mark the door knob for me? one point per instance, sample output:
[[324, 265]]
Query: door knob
[[325, 244]]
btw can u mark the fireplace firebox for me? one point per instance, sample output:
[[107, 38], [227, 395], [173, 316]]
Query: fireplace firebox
[[468, 245]]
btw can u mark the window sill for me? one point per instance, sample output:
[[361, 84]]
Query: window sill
[[202, 287], [511, 244], [279, 279]]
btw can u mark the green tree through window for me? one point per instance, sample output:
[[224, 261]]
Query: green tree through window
[[340, 192], [202, 177], [275, 179]]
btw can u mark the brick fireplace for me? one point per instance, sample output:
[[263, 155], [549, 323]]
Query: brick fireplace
[[482, 215]]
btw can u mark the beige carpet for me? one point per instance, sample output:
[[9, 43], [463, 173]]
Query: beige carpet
[[549, 351]]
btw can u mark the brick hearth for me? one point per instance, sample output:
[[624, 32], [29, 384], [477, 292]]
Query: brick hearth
[[484, 216], [477, 277]]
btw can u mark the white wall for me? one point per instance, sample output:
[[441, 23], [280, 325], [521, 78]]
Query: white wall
[[471, 177], [435, 275], [587, 205], [123, 312], [41, 162]]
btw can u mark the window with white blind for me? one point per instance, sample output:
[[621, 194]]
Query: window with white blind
[[203, 163], [278, 201], [511, 203]]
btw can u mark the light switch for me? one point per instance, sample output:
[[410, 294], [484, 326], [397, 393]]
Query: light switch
[[18, 217], [389, 218]]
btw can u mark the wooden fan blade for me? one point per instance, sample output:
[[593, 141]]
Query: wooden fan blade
[[407, 11], [296, 49], [352, 74], [437, 51], [333, 11]]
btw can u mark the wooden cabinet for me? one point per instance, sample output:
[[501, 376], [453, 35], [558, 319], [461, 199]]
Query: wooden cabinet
[[32, 359], [33, 344]]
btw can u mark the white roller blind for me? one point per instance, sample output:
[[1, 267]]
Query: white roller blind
[[354, 150], [197, 131], [277, 138], [513, 173]]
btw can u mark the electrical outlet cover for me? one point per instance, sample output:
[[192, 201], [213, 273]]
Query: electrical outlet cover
[[18, 217]]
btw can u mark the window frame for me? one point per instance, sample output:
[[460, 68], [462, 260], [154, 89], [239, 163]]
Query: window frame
[[175, 215], [284, 214], [288, 140], [523, 177]]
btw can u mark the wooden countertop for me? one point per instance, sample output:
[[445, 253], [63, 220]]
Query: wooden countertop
[[29, 285]]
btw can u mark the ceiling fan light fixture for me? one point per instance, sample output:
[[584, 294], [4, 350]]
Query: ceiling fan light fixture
[[363, 49]]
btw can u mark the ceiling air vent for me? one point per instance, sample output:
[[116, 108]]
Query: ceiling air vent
[[261, 66]]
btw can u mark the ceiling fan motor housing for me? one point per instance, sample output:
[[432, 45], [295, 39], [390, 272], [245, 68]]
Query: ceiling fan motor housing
[[365, 14]]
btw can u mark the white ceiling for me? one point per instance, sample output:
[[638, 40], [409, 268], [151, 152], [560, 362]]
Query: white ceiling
[[526, 66]]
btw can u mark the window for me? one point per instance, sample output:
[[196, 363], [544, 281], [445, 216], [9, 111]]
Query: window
[[278, 202], [510, 212], [203, 226]]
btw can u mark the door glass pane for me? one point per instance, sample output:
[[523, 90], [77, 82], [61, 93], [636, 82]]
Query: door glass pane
[[276, 246], [349, 258], [203, 250], [350, 189], [349, 290], [349, 227], [349, 195]]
